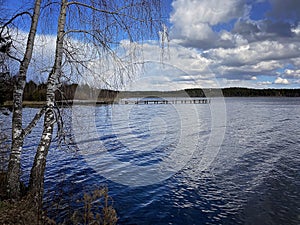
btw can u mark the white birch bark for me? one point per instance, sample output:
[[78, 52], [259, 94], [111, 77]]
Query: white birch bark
[[13, 174], [36, 183]]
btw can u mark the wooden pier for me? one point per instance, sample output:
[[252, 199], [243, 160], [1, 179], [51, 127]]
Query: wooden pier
[[137, 101], [145, 101]]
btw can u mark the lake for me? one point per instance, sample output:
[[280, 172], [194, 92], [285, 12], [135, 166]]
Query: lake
[[234, 161]]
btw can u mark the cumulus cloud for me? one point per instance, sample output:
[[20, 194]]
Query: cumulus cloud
[[42, 58], [81, 59], [255, 53], [237, 47], [280, 80], [240, 66], [211, 12], [193, 20], [290, 73], [211, 41], [262, 30], [296, 30], [246, 28], [177, 68], [280, 21]]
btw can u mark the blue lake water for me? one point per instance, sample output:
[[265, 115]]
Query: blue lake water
[[235, 162]]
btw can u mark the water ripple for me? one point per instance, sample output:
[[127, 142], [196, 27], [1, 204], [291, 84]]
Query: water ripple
[[255, 178]]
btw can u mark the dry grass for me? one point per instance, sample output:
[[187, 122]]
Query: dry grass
[[97, 210], [97, 206], [21, 212]]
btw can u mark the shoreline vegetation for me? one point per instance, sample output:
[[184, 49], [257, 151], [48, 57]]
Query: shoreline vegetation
[[35, 94], [95, 206]]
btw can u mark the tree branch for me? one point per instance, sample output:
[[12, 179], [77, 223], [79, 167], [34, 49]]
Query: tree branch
[[33, 123], [13, 18], [104, 11], [49, 4], [104, 45], [13, 57], [91, 7]]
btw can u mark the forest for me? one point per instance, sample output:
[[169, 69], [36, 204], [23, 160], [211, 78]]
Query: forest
[[37, 92]]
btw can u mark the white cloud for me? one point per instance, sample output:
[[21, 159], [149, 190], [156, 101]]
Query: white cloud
[[177, 68], [237, 83], [253, 59], [42, 57], [211, 12], [291, 73], [296, 30], [193, 20], [84, 59], [280, 80], [264, 83], [252, 48], [254, 53], [239, 65]]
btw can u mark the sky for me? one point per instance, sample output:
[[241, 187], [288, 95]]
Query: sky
[[217, 43]]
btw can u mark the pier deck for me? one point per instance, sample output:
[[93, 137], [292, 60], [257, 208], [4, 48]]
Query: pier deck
[[146, 101]]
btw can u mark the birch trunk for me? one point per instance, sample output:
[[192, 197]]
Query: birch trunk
[[36, 183], [13, 173]]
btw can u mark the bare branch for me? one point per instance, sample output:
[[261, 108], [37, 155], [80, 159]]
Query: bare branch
[[106, 11], [91, 7], [33, 122], [13, 18], [103, 43], [49, 4], [13, 57], [123, 24]]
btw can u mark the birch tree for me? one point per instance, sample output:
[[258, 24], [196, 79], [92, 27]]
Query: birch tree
[[18, 133], [37, 172], [86, 30]]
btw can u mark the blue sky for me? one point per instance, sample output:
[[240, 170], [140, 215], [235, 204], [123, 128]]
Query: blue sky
[[246, 43]]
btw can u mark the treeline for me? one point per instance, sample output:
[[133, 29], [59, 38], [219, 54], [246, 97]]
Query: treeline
[[243, 92], [247, 92], [6, 87], [37, 92], [214, 92]]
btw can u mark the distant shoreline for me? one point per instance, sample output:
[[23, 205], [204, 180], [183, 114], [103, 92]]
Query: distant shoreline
[[101, 96], [39, 104]]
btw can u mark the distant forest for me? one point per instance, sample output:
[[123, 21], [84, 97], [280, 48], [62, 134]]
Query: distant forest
[[245, 92], [37, 92]]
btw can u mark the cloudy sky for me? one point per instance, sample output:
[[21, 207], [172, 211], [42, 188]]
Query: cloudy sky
[[226, 43], [245, 43]]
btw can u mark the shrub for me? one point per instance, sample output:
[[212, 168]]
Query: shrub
[[97, 210]]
